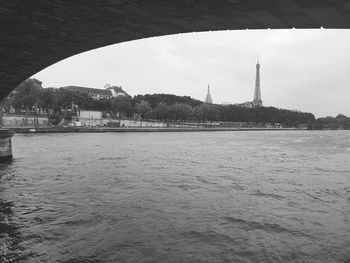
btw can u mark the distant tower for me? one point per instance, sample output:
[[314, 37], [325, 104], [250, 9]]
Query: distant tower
[[257, 93], [208, 98]]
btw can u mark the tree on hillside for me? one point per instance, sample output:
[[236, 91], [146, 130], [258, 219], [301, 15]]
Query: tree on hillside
[[343, 121], [181, 111], [161, 111], [72, 100], [207, 112], [64, 99], [27, 95], [168, 99], [83, 101], [121, 106], [7, 103], [48, 99], [102, 105], [143, 109], [339, 122]]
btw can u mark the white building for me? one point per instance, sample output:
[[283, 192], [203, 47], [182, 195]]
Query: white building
[[90, 118], [117, 91], [98, 94]]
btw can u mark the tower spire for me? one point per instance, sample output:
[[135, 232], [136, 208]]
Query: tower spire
[[208, 97], [257, 93]]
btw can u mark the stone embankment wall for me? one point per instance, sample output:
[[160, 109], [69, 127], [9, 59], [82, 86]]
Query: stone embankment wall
[[5, 145], [135, 123], [23, 120]]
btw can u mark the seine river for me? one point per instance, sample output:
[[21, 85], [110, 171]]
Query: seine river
[[274, 196]]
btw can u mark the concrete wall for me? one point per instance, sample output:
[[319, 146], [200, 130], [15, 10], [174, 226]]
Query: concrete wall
[[90, 122], [21, 120], [132, 123]]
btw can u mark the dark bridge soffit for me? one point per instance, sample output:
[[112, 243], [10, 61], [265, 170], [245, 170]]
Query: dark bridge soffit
[[35, 34]]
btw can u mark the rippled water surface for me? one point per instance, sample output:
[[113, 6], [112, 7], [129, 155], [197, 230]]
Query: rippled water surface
[[280, 196]]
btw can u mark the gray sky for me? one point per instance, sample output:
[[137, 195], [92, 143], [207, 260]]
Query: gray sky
[[307, 70]]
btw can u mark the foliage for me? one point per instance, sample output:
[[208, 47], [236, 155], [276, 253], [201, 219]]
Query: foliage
[[180, 111], [143, 109], [67, 99], [271, 115], [62, 103], [161, 111], [26, 95], [48, 98], [339, 122], [207, 112], [168, 99], [121, 106], [101, 105]]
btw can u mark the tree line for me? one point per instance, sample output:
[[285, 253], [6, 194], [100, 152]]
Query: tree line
[[30, 96], [333, 123]]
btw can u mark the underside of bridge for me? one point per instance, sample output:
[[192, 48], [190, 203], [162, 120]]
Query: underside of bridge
[[35, 34]]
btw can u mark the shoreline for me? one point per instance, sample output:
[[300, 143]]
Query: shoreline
[[141, 129]]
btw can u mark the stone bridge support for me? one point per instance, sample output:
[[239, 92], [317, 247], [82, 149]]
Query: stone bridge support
[[5, 145]]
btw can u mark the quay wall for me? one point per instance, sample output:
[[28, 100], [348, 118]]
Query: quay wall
[[10, 120], [5, 145], [139, 129], [136, 123]]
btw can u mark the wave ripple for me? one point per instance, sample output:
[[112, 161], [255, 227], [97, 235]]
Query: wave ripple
[[177, 197]]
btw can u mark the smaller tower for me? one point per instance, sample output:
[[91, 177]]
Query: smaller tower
[[208, 97]]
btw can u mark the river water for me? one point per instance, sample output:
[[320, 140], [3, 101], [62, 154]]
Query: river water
[[274, 196]]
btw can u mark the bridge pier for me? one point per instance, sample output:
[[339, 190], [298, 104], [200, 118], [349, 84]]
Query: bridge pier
[[5, 145]]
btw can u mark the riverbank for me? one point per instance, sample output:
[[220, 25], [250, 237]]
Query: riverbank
[[138, 129]]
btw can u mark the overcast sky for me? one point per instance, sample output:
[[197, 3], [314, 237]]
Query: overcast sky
[[307, 70]]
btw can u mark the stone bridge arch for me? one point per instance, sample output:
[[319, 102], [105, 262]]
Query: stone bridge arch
[[35, 34]]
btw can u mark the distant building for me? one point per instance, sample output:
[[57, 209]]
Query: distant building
[[98, 94], [247, 104], [208, 97], [117, 91]]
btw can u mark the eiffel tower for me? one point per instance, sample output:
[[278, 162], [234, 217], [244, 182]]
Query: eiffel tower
[[208, 97], [257, 102]]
